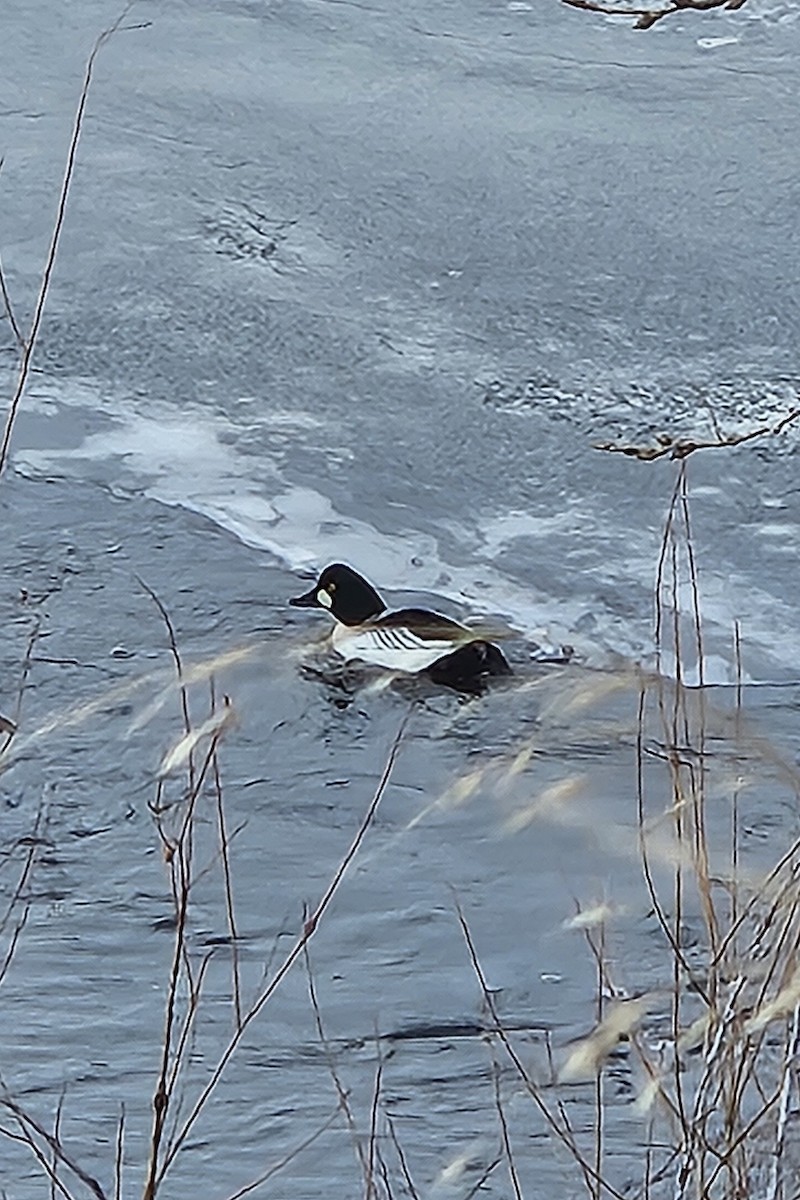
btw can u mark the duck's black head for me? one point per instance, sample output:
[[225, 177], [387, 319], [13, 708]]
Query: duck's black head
[[345, 594]]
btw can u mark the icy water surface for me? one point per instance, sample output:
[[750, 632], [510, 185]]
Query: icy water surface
[[369, 282]]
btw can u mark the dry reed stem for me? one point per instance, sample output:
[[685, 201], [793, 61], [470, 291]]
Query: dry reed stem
[[7, 299], [7, 305], [29, 343], [224, 845], [30, 1126], [735, 1076], [172, 1058], [179, 852], [789, 1061], [7, 726], [287, 1158], [508, 1153], [560, 1130], [601, 1020], [118, 1154], [56, 1139], [33, 841], [401, 1158], [370, 1182], [269, 989], [179, 672], [26, 1139], [341, 1091], [483, 1179]]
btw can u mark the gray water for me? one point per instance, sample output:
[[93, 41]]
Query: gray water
[[360, 282]]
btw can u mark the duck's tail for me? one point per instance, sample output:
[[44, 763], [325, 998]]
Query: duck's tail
[[467, 668]]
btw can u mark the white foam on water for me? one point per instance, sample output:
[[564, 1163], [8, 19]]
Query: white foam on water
[[185, 461]]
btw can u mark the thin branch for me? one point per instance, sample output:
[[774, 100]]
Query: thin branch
[[561, 1132], [224, 845], [341, 1090], [25, 1120], [57, 1140], [7, 726], [478, 1188], [173, 645], [26, 1138], [38, 313], [309, 929], [370, 1184], [118, 1157], [506, 1136], [12, 320], [401, 1158], [287, 1158], [646, 18], [181, 877], [680, 448], [7, 299]]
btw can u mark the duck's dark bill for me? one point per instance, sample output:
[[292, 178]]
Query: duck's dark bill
[[309, 600]]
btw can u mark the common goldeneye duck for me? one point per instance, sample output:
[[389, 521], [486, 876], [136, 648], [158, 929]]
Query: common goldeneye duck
[[408, 639]]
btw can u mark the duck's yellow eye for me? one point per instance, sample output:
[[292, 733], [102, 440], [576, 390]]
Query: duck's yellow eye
[[331, 587]]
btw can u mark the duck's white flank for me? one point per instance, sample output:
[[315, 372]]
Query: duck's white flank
[[395, 647]]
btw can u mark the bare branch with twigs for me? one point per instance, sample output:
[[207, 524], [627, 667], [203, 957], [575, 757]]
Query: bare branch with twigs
[[681, 448], [646, 18]]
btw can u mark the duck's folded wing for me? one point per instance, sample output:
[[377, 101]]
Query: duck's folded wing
[[425, 626], [408, 640]]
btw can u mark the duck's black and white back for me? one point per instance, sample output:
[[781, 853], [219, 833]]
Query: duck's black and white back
[[409, 639]]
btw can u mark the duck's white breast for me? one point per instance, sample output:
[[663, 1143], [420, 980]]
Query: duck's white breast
[[396, 648]]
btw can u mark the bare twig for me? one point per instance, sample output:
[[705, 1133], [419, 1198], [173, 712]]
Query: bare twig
[[7, 299], [646, 18], [370, 1181], [274, 983], [401, 1158], [175, 652], [340, 1089], [56, 1139], [12, 320], [50, 262], [680, 448], [7, 726], [481, 1180], [287, 1158], [224, 846], [508, 1151], [557, 1127], [118, 1156], [172, 1059], [29, 1125]]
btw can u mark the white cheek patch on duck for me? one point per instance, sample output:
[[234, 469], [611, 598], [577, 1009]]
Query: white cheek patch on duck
[[324, 598]]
